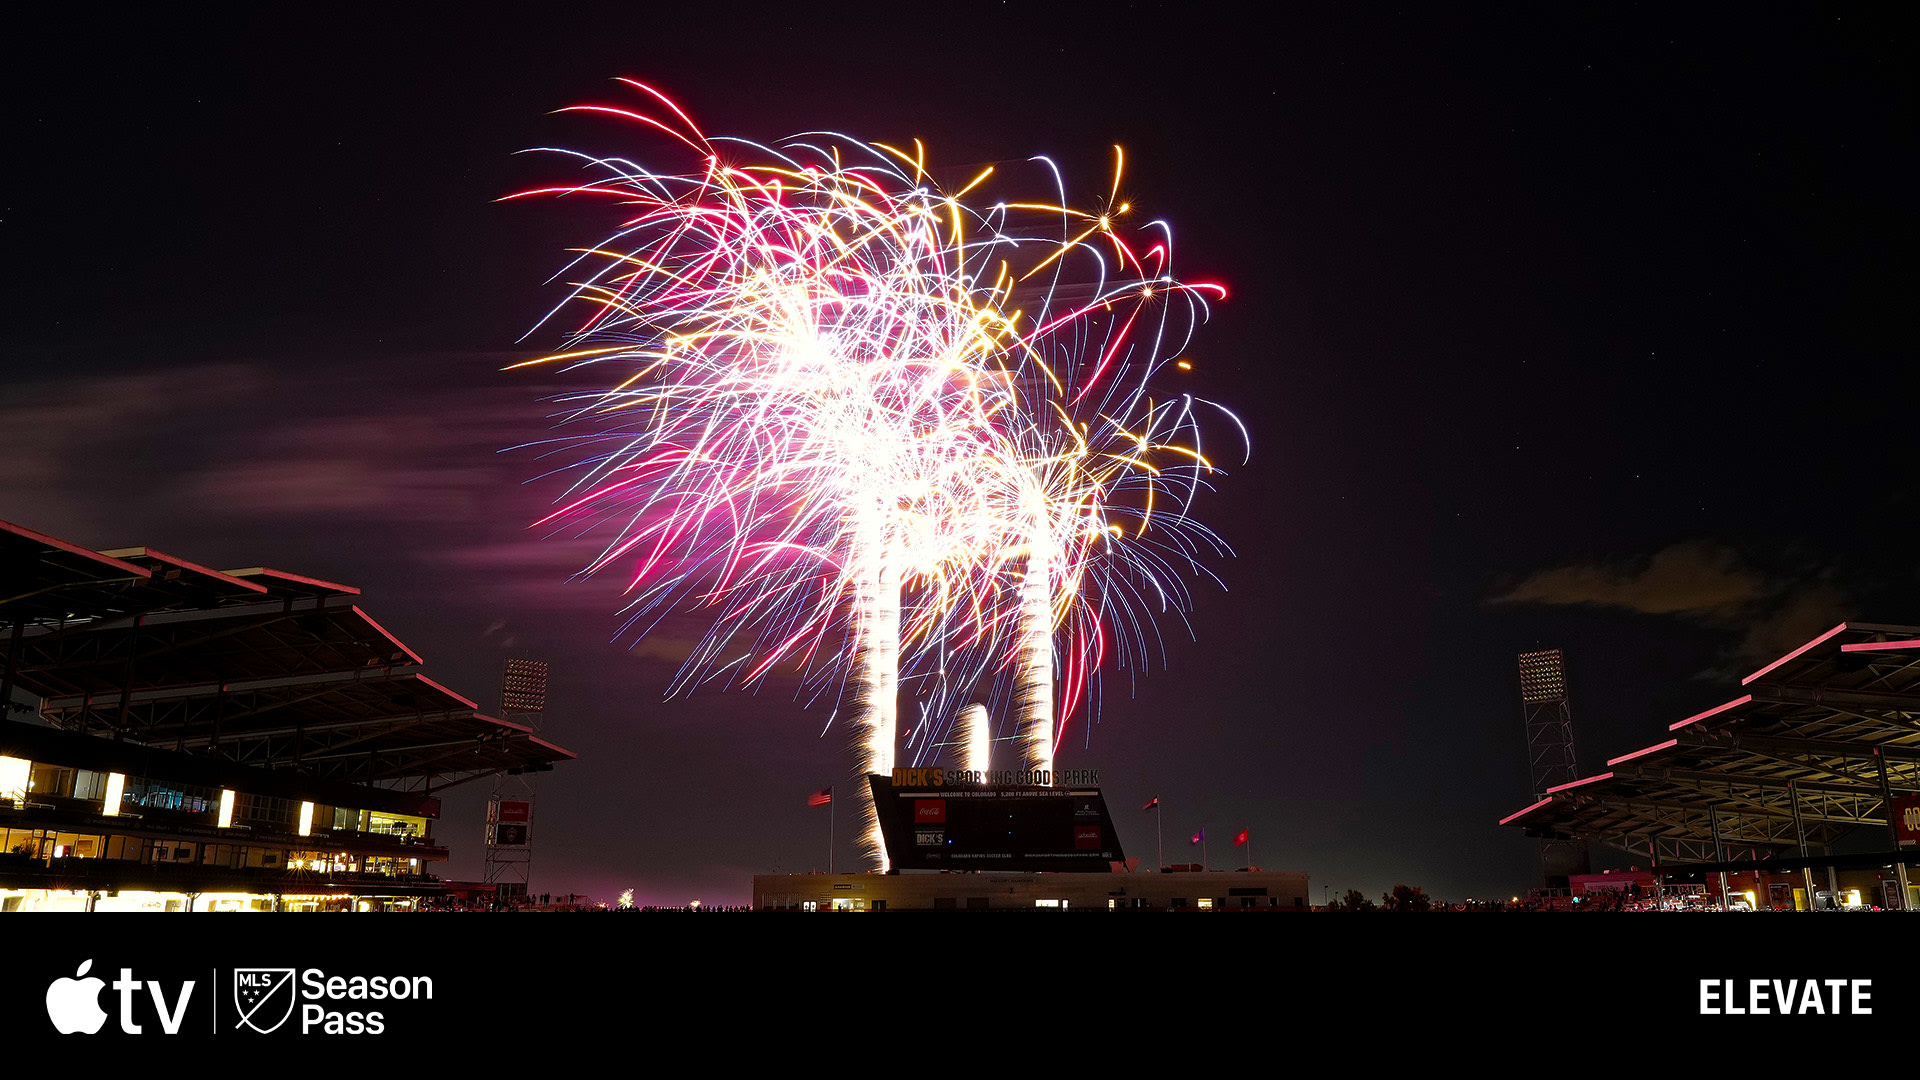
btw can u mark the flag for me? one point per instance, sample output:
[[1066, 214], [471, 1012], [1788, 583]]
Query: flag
[[821, 797], [1241, 839], [1151, 805], [1199, 837]]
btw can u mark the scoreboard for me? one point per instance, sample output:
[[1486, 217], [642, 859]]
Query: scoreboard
[[943, 819]]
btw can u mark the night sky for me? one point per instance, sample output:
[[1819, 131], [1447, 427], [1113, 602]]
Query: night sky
[[1552, 328]]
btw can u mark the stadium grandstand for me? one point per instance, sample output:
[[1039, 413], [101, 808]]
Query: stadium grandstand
[[177, 738], [1797, 794]]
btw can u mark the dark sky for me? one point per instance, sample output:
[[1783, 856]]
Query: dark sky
[[1552, 327]]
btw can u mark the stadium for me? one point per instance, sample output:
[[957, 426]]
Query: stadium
[[1795, 795], [246, 739]]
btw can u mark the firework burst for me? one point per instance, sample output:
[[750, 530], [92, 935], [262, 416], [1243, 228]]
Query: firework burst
[[822, 384]]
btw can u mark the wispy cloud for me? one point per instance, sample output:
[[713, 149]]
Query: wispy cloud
[[1700, 582], [1694, 578], [244, 441], [396, 467], [79, 454], [1804, 613]]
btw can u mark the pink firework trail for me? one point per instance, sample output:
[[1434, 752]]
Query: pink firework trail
[[875, 429]]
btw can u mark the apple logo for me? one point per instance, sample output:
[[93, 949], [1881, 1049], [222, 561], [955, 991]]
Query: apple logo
[[74, 1004]]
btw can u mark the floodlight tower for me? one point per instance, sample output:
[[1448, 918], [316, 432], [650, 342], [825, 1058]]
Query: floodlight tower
[[1549, 722], [523, 700], [1549, 719]]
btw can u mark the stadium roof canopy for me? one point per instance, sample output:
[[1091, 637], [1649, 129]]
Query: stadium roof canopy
[[255, 666], [1816, 746]]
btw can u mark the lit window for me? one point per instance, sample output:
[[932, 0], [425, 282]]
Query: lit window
[[15, 776]]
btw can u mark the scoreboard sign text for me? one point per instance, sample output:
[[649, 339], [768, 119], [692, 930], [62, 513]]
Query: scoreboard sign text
[[938, 777]]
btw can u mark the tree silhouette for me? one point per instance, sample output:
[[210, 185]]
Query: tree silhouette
[[1407, 898]]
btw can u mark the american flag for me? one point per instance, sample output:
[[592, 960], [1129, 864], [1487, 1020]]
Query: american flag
[[821, 797]]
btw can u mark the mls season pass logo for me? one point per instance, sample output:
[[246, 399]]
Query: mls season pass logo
[[264, 998]]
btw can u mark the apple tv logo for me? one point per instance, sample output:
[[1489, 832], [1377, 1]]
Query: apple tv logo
[[74, 1004]]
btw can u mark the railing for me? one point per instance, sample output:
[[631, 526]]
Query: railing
[[103, 875]]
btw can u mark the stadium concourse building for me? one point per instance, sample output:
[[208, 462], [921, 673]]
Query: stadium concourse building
[[1014, 841], [1197, 890], [1800, 793], [175, 738]]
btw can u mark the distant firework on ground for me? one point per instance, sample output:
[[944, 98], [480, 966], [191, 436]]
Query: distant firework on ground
[[878, 430]]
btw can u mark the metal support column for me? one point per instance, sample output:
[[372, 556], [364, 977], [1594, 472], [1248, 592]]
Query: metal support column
[[1800, 837], [1893, 827], [13, 659], [1659, 882], [1719, 852], [126, 681]]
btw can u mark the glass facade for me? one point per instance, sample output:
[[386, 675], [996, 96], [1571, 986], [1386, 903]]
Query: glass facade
[[57, 836]]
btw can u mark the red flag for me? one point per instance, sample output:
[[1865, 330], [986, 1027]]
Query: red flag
[[821, 797], [1151, 805], [1199, 836], [1241, 839]]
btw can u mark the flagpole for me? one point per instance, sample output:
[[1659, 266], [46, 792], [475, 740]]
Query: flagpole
[[1159, 839], [824, 797]]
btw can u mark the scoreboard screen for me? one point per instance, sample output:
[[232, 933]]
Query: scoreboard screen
[[962, 826]]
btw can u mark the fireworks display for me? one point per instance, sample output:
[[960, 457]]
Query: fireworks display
[[878, 430]]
